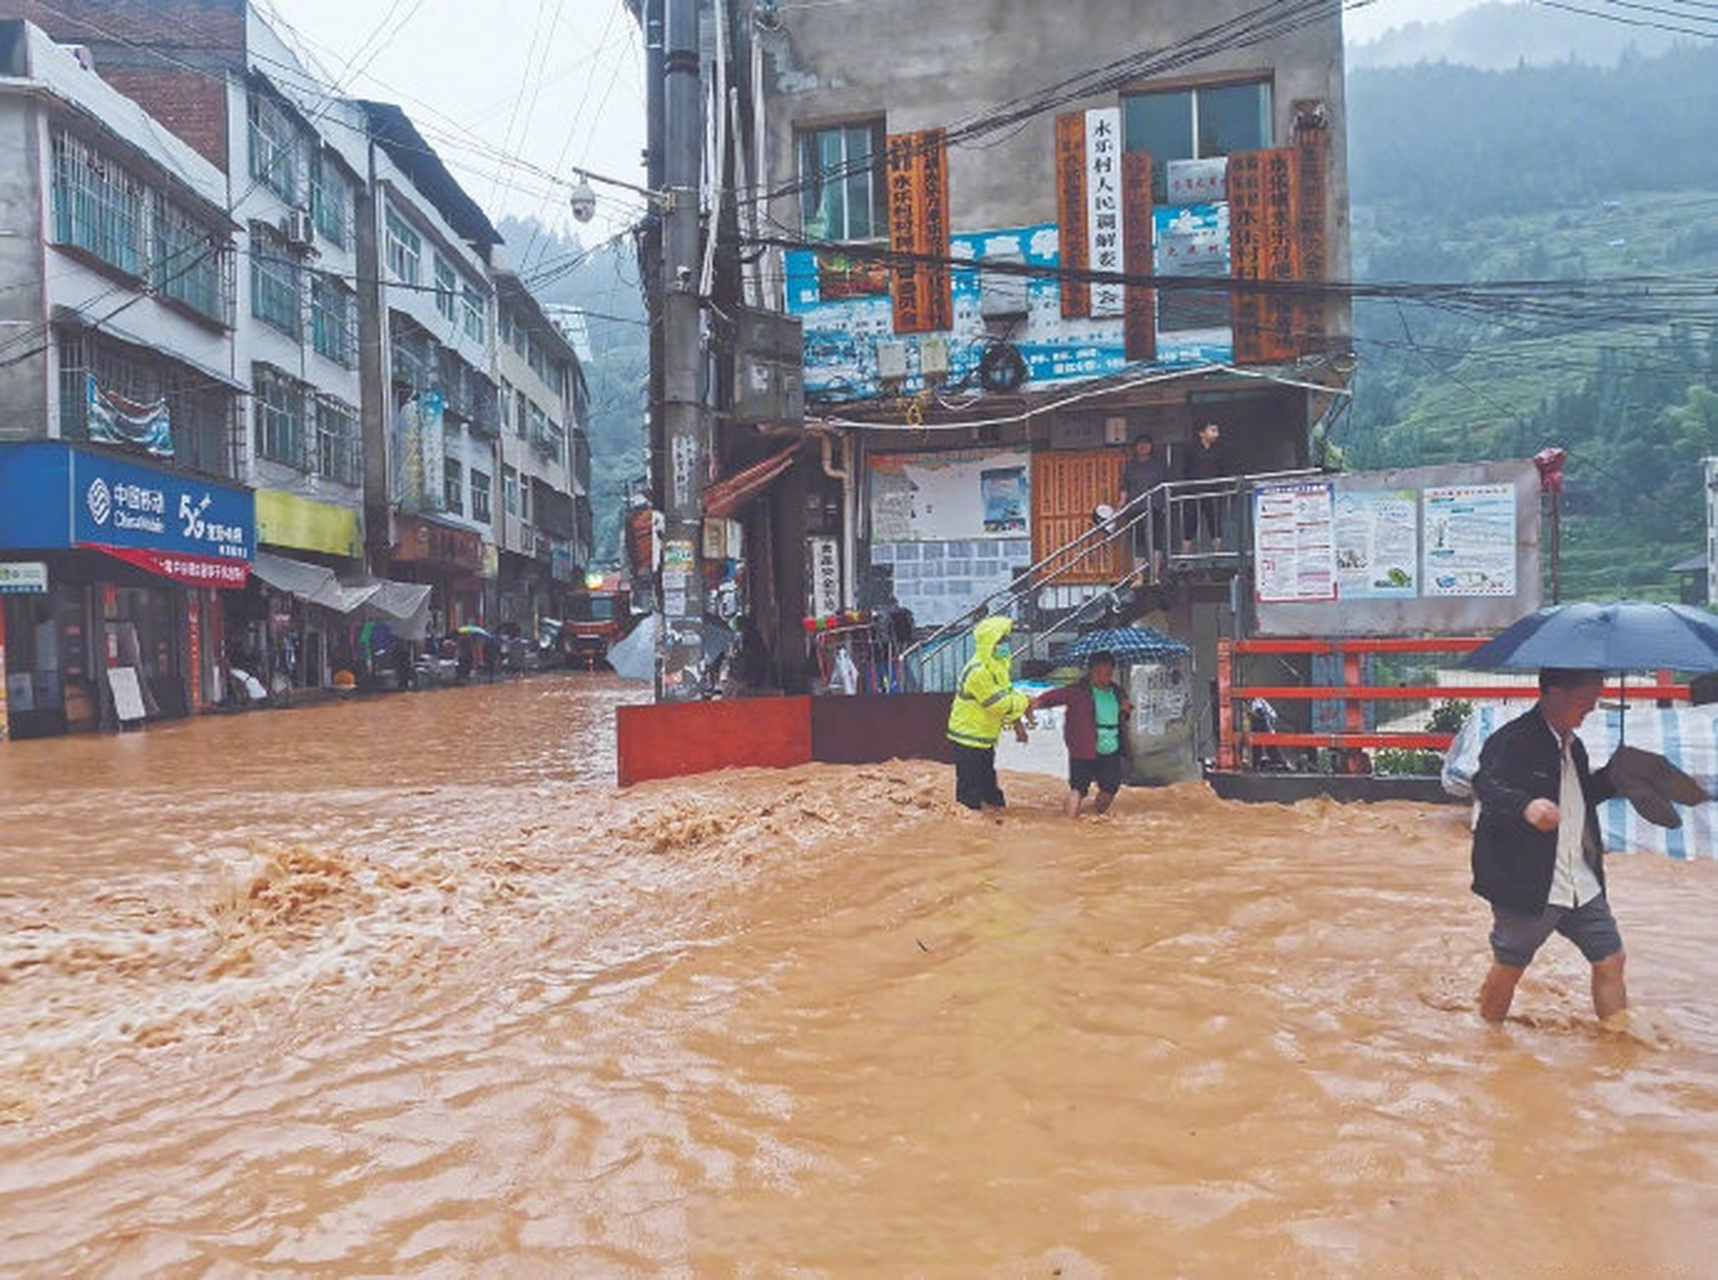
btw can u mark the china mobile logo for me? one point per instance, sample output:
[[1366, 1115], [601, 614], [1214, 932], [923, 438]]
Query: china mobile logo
[[99, 501]]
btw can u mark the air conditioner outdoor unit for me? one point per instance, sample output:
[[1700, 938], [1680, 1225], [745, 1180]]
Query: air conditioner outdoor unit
[[300, 228]]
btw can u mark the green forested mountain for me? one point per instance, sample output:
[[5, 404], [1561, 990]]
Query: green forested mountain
[[603, 283], [1604, 178]]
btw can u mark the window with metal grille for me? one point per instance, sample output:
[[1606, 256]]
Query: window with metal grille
[[206, 432], [405, 248], [453, 486], [98, 207], [330, 200], [474, 313], [279, 417], [480, 496], [273, 147], [331, 320], [338, 455], [190, 263], [841, 182], [509, 489], [82, 356], [275, 283]]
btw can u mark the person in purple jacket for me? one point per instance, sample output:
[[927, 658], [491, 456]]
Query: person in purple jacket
[[1095, 729]]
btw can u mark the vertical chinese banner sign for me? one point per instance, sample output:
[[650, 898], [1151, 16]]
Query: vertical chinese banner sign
[[1263, 247], [1103, 207], [1071, 212], [1137, 256], [1312, 164], [917, 183]]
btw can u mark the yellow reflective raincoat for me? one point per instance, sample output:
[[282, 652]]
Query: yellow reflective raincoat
[[985, 701]]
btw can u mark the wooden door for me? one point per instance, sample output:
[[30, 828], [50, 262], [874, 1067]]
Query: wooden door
[[1066, 488]]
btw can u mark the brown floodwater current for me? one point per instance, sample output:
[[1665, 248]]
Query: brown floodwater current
[[408, 987]]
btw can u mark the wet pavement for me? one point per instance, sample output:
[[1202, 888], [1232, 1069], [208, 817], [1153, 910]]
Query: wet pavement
[[407, 986]]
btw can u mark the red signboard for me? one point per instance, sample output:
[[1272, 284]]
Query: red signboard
[[1071, 212], [917, 186], [1141, 306], [1262, 246], [424, 541], [194, 571]]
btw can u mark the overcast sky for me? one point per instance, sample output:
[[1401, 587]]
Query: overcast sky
[[509, 91]]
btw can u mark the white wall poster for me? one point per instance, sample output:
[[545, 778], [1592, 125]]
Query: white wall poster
[[1470, 540], [1294, 542]]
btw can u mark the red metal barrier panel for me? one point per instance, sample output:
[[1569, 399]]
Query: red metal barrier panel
[[677, 739]]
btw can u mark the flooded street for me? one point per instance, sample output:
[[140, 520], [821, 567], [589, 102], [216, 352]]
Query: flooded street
[[406, 986]]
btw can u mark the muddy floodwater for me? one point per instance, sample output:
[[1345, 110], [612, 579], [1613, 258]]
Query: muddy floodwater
[[408, 987]]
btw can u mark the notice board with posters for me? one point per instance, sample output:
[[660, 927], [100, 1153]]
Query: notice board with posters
[[949, 527], [1445, 550]]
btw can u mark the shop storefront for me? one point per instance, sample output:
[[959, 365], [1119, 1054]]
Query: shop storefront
[[292, 628], [450, 562], [137, 564]]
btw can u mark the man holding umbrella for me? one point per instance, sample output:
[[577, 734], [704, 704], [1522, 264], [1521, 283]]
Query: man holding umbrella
[[1537, 856], [1537, 853]]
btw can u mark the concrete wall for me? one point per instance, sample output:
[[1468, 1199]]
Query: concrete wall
[[921, 66], [23, 382]]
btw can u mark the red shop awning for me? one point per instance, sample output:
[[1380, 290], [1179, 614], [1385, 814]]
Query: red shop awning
[[193, 571], [730, 493]]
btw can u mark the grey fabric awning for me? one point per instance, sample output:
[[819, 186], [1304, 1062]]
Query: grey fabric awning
[[403, 606], [309, 582]]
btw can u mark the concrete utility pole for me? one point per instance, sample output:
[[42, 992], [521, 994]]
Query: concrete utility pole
[[686, 419]]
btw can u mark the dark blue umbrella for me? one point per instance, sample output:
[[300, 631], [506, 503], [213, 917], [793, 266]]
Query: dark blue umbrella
[[1625, 635], [1129, 644]]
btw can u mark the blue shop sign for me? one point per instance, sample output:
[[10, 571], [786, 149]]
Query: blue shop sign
[[54, 495]]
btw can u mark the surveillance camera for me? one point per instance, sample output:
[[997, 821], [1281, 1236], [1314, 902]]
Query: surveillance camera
[[583, 200], [683, 275]]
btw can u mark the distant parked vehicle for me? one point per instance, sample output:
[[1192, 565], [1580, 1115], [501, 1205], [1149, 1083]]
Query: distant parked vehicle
[[598, 615]]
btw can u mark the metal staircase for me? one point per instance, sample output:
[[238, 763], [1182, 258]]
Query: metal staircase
[[1053, 600]]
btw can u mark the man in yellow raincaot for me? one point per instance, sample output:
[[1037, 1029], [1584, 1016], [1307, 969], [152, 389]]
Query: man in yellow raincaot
[[985, 703]]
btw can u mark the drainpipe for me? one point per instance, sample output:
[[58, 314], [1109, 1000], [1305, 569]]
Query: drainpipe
[[849, 520]]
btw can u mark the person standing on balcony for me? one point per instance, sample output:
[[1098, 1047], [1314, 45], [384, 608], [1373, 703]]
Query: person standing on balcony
[[1537, 858], [1146, 469], [1206, 460], [1094, 729], [985, 703]]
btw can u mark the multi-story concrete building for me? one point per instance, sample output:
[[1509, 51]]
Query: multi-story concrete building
[[436, 414], [294, 158], [306, 289], [122, 526], [1016, 240], [544, 527]]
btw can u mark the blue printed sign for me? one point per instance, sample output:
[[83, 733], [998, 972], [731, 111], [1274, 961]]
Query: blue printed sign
[[117, 503]]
